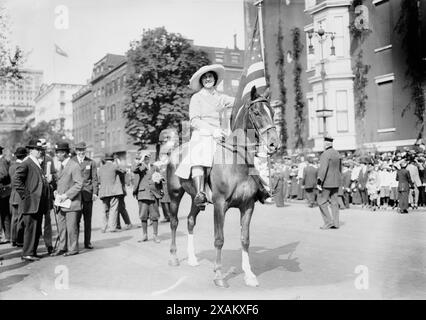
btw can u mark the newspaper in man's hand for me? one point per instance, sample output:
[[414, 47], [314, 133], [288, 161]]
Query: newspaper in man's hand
[[63, 204]]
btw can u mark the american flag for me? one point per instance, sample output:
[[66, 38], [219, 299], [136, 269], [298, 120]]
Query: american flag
[[254, 71]]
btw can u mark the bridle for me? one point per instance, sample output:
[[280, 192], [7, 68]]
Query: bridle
[[259, 131]]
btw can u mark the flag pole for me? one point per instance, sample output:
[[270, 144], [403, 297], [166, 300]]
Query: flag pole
[[259, 4]]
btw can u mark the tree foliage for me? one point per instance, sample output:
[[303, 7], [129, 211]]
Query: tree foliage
[[10, 60], [160, 66], [299, 104], [409, 27], [282, 89]]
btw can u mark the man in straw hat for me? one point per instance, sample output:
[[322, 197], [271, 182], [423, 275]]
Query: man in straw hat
[[89, 192], [205, 109], [68, 198], [329, 180], [33, 189], [49, 170]]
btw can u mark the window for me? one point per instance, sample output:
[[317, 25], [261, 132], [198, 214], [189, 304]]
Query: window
[[385, 105], [339, 42], [342, 111], [62, 107], [381, 24], [62, 94]]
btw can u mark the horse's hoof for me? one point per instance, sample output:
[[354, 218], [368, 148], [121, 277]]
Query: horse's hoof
[[174, 262], [193, 262], [221, 283], [251, 281]]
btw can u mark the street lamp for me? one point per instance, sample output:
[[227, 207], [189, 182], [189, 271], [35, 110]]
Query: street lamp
[[322, 36]]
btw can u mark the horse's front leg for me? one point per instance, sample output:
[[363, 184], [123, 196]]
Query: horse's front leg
[[174, 221], [192, 220], [249, 277], [219, 219]]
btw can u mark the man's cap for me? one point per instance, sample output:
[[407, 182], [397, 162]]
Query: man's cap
[[21, 152], [63, 146], [43, 142], [81, 146], [109, 156], [35, 144]]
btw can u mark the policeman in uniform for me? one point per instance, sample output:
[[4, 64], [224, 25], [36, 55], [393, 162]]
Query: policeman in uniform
[[329, 178]]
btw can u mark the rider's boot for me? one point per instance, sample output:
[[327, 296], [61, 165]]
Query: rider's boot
[[200, 199]]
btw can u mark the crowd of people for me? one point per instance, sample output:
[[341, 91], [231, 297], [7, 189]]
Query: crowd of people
[[34, 184], [67, 182], [374, 180]]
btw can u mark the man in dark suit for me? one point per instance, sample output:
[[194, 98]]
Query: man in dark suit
[[33, 189], [110, 189], [5, 216], [49, 170], [362, 180], [346, 183], [405, 183], [70, 183], [309, 181], [89, 191], [329, 179], [16, 228], [148, 192], [122, 211]]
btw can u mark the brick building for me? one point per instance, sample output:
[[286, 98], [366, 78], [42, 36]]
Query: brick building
[[98, 107], [384, 126], [17, 101]]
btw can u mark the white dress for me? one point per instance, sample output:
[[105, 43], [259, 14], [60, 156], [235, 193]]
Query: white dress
[[205, 110]]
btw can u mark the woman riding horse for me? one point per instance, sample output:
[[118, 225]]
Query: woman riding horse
[[205, 108]]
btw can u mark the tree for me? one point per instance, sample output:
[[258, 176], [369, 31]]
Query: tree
[[10, 61], [160, 66]]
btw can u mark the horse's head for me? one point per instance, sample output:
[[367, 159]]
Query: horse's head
[[261, 119]]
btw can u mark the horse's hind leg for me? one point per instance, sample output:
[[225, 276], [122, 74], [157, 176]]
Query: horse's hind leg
[[249, 277], [192, 220], [219, 219], [175, 198]]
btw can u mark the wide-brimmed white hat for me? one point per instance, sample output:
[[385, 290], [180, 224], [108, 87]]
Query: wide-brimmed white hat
[[194, 82]]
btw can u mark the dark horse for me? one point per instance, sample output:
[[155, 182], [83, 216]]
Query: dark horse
[[232, 182]]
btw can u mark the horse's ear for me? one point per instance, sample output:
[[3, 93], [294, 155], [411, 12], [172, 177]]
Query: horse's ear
[[267, 93], [253, 93]]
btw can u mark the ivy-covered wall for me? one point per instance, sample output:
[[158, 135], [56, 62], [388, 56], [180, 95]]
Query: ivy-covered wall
[[292, 16]]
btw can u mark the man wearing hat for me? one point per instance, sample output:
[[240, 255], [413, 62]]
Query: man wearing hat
[[148, 193], [33, 189], [309, 181], [329, 179], [404, 185], [70, 183], [362, 180], [48, 167], [89, 192], [110, 189], [16, 228], [5, 216]]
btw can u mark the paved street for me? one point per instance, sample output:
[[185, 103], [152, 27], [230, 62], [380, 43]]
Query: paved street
[[291, 256]]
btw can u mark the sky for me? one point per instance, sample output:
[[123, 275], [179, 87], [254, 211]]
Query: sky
[[97, 27]]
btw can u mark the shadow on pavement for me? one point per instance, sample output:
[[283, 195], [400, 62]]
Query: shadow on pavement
[[14, 266], [261, 259], [6, 283], [108, 243], [168, 235]]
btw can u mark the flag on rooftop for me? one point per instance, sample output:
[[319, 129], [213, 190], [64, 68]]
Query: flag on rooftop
[[59, 51]]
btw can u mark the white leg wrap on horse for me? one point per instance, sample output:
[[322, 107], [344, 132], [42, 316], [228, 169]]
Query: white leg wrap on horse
[[249, 277], [192, 259]]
